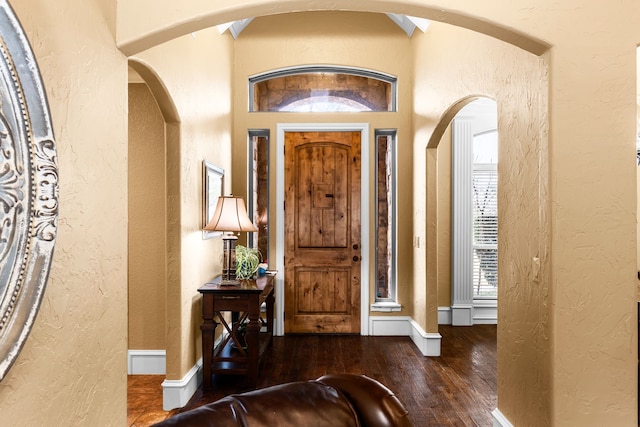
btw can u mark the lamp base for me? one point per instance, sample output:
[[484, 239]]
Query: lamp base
[[229, 265]]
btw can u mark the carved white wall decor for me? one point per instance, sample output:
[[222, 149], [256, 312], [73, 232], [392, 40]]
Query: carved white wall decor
[[28, 188]]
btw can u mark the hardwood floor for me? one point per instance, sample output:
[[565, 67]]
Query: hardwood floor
[[456, 389], [144, 400]]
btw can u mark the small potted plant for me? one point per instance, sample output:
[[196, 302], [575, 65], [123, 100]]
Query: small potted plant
[[247, 261]]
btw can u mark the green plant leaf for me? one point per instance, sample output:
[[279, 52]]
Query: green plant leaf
[[247, 260]]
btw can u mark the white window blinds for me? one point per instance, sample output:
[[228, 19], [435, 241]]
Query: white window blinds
[[485, 230]]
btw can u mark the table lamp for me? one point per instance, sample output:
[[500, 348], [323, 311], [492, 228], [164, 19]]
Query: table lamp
[[230, 216]]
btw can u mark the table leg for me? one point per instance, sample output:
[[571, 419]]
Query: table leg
[[253, 341], [208, 329], [270, 301]]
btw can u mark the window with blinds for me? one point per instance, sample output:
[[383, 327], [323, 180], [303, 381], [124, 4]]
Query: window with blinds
[[485, 230], [474, 207]]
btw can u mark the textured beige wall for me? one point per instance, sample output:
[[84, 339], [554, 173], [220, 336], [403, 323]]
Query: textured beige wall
[[594, 329], [444, 220], [72, 370], [638, 169], [195, 71], [147, 222], [523, 324], [425, 222], [345, 39]]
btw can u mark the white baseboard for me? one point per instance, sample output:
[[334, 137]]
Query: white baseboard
[[176, 393], [462, 315], [390, 326], [500, 420], [146, 362], [485, 313], [444, 315], [482, 315], [427, 343]]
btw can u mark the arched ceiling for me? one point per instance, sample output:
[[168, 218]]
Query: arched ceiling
[[135, 35], [408, 24]]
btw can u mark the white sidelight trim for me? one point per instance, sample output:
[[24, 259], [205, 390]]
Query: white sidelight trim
[[500, 420], [385, 306], [176, 393], [146, 362]]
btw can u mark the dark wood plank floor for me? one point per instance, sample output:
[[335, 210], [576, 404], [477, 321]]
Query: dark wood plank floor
[[456, 389]]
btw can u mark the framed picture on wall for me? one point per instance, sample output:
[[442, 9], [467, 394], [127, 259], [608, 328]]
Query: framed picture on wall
[[212, 186]]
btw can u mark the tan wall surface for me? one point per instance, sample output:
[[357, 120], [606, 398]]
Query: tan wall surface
[[147, 222], [72, 370], [592, 81], [344, 39], [196, 72], [444, 220], [638, 170], [523, 351]]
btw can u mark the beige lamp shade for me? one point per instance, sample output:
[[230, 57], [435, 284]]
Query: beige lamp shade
[[230, 215]]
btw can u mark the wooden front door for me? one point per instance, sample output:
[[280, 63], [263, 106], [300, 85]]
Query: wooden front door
[[322, 232]]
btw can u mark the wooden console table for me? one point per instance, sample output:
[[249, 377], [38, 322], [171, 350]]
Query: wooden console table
[[243, 301]]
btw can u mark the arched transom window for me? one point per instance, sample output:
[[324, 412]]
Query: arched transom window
[[322, 89]]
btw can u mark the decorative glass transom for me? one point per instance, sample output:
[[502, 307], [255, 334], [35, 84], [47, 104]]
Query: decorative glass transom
[[322, 89]]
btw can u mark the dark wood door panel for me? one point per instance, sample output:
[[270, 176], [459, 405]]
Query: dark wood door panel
[[322, 232], [322, 195], [323, 291]]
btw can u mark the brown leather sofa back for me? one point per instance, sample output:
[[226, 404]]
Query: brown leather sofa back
[[331, 401], [375, 404]]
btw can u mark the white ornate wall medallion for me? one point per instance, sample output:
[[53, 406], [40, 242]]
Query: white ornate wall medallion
[[28, 188]]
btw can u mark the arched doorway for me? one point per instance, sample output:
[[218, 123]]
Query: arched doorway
[[151, 116], [474, 214]]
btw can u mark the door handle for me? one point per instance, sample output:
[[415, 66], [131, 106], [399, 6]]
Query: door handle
[[355, 246], [356, 258]]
